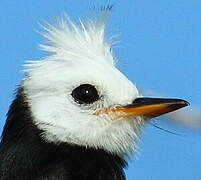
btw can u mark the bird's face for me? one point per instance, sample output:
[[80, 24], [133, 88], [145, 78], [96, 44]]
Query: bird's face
[[66, 101], [78, 96]]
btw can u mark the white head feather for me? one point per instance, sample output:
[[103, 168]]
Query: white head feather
[[79, 54]]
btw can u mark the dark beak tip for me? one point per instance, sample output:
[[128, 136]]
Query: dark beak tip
[[145, 100], [187, 103], [178, 104], [183, 103]]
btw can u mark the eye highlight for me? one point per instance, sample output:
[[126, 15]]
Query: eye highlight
[[85, 94]]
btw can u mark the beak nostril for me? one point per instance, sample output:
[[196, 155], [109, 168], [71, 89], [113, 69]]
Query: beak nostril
[[138, 100], [145, 100]]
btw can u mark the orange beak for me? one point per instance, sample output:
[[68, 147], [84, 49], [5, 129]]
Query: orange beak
[[147, 107]]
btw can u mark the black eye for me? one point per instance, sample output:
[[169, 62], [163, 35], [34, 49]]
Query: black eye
[[85, 94]]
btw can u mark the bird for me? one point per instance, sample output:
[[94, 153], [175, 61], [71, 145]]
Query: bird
[[75, 115]]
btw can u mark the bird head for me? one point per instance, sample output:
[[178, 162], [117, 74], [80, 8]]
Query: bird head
[[78, 96]]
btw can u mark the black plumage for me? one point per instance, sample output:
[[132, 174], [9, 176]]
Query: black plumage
[[24, 155]]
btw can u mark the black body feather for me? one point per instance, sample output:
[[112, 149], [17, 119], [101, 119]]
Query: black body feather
[[24, 155]]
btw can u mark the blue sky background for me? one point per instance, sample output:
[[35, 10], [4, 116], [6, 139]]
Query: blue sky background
[[159, 50]]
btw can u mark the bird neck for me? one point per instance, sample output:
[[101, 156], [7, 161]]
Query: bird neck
[[25, 155]]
